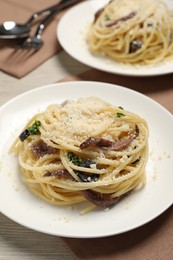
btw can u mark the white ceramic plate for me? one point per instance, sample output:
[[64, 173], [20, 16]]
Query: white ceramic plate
[[140, 207], [71, 33]]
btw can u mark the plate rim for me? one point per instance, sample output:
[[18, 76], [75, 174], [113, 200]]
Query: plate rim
[[60, 84], [83, 82]]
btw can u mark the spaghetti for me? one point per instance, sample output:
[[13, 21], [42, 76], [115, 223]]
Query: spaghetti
[[84, 150], [136, 32]]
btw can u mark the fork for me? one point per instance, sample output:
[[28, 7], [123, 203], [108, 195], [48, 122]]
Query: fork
[[35, 42]]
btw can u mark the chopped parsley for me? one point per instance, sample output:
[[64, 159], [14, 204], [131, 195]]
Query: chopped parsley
[[150, 24], [34, 128], [74, 159], [107, 18], [31, 130], [120, 114]]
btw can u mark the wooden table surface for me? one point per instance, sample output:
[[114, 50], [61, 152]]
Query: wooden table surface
[[18, 242]]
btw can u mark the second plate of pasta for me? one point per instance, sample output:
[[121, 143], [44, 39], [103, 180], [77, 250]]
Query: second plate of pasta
[[130, 42]]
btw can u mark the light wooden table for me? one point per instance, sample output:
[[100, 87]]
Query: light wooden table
[[18, 242]]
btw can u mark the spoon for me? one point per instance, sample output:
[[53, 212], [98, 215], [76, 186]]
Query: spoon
[[35, 42], [12, 30]]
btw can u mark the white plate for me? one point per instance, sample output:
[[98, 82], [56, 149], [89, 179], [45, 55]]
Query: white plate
[[19, 204], [71, 33]]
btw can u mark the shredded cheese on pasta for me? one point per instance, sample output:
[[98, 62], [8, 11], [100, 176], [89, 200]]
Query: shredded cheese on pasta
[[84, 150]]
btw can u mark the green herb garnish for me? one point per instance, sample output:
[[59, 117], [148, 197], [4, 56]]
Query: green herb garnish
[[150, 24], [31, 130], [107, 18], [74, 158], [34, 128], [120, 114]]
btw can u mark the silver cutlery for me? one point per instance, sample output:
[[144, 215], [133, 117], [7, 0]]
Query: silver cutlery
[[12, 30], [35, 42]]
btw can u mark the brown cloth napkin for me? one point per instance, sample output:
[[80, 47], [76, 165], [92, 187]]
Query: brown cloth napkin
[[20, 62], [155, 239]]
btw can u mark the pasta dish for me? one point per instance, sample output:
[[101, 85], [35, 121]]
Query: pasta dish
[[83, 151], [135, 31]]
